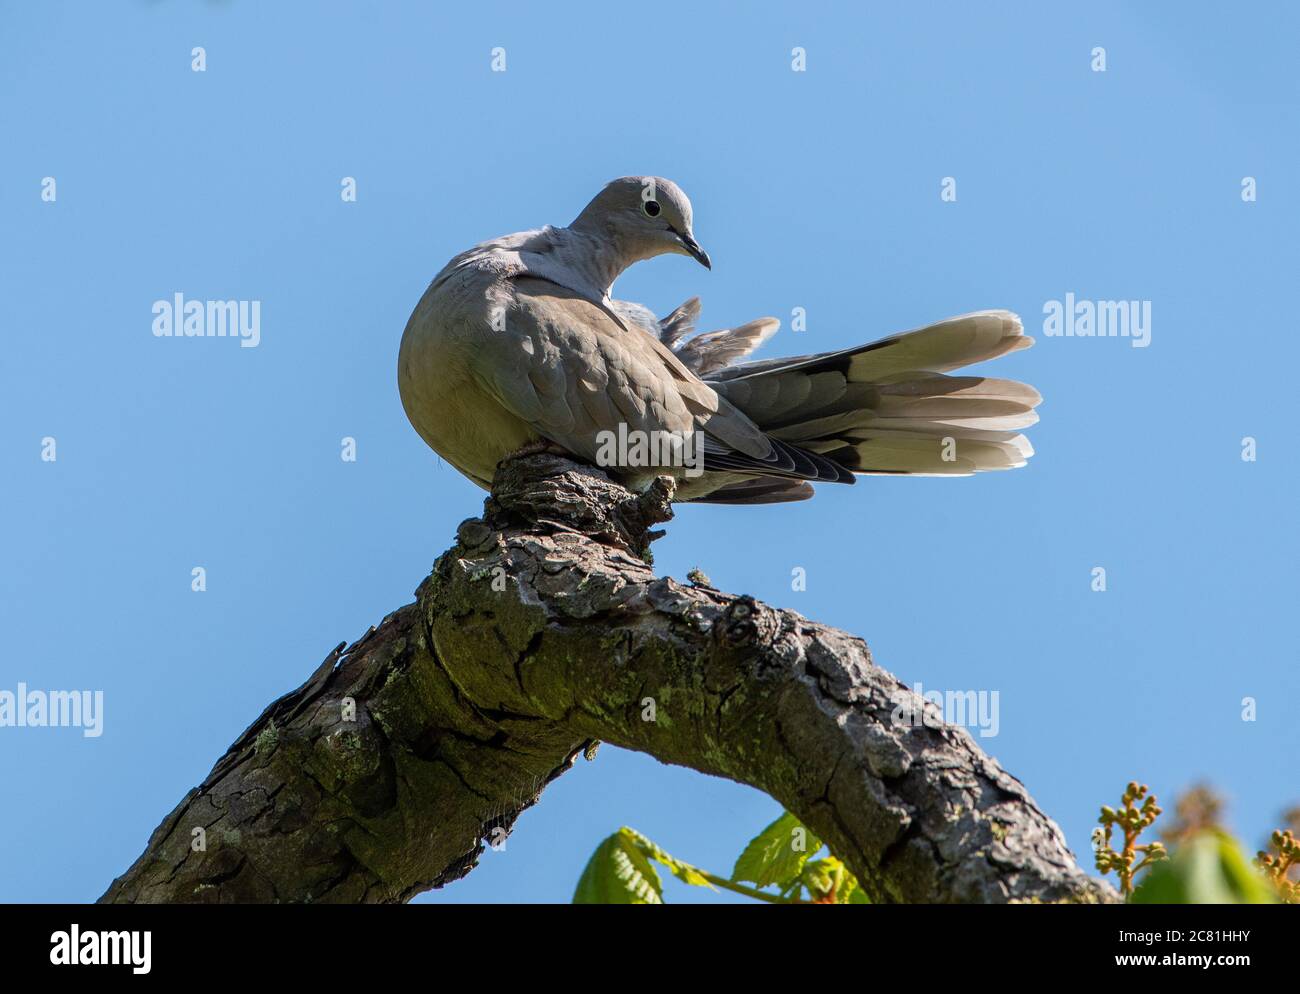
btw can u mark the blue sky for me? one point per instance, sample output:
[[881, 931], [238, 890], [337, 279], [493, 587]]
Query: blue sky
[[817, 189]]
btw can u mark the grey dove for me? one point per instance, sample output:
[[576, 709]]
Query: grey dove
[[517, 346]]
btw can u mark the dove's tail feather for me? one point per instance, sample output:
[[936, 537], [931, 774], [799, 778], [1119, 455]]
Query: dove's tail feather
[[758, 490], [787, 461], [888, 408]]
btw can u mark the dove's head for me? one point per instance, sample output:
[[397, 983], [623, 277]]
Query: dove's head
[[642, 216]]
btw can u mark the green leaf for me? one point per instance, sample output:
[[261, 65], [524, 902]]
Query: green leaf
[[821, 876], [619, 873], [855, 895], [684, 872], [1207, 869], [688, 874], [849, 892], [777, 854]]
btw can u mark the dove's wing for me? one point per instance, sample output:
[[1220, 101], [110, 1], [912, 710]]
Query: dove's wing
[[715, 350], [569, 368], [679, 323]]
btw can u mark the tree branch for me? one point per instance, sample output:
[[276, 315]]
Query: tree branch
[[541, 632]]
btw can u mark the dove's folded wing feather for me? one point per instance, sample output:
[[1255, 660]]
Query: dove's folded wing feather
[[565, 366]]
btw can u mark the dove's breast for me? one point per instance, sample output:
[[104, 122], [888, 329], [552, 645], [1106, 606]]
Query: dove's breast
[[444, 401]]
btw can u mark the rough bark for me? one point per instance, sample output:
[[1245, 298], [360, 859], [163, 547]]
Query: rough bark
[[543, 631]]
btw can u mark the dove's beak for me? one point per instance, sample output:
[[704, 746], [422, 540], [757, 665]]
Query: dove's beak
[[694, 251]]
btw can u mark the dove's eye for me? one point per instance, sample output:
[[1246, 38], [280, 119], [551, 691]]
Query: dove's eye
[[650, 208]]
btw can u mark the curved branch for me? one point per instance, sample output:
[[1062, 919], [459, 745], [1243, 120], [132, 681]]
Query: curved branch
[[540, 633]]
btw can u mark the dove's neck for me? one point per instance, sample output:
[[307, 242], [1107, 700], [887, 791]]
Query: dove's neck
[[598, 257]]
